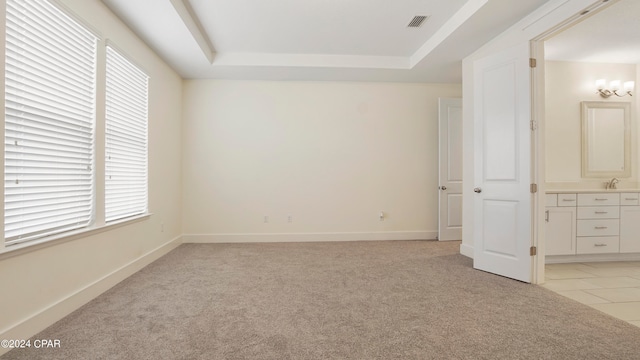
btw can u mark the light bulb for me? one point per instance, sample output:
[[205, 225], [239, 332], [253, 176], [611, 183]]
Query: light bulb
[[628, 86], [614, 85], [600, 84]]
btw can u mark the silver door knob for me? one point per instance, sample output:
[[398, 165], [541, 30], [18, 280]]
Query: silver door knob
[[478, 190], [442, 187]]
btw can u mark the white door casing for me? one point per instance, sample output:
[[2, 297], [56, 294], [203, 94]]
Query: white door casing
[[450, 168], [502, 164]]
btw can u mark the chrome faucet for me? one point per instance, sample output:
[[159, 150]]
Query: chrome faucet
[[612, 184]]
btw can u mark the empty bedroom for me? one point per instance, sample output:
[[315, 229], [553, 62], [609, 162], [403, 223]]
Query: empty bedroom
[[217, 179]]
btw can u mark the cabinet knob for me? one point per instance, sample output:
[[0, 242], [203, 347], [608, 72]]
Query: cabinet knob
[[477, 190], [442, 187]]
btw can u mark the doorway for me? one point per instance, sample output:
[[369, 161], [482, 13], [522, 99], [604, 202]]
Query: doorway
[[571, 58]]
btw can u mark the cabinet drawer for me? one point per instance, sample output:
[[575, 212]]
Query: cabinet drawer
[[551, 199], [598, 245], [566, 199], [598, 212], [609, 227], [598, 199], [629, 199]]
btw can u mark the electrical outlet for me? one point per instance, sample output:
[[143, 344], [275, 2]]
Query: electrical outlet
[[290, 218], [162, 227], [266, 219]]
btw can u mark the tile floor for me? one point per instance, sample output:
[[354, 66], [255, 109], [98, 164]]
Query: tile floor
[[611, 287]]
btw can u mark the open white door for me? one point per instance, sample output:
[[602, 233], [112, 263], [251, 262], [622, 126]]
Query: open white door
[[502, 164], [450, 174]]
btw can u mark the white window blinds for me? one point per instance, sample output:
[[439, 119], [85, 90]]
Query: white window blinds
[[49, 121], [126, 138]]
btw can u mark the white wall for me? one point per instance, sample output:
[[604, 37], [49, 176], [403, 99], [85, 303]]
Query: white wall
[[330, 154], [567, 85], [41, 286]]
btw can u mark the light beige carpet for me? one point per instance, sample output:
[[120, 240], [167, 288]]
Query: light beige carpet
[[359, 300]]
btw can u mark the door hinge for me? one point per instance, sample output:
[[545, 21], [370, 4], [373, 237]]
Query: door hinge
[[532, 62], [533, 125], [533, 251], [533, 188]]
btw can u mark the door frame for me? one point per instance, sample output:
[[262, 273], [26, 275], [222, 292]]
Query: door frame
[[539, 141], [538, 25]]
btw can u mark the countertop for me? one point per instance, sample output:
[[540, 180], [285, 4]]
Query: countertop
[[590, 191]]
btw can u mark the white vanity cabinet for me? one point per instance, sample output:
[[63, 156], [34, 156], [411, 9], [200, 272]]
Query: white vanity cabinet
[[592, 223], [598, 224], [630, 223], [560, 220]]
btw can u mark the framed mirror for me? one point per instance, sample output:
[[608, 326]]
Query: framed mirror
[[606, 139]]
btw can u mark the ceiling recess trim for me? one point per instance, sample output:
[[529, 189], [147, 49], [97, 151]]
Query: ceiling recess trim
[[459, 18], [190, 19]]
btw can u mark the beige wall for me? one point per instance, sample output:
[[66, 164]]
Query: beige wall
[[65, 274], [567, 85], [332, 155]]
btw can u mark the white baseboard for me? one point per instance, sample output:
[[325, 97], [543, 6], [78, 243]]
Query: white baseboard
[[466, 250], [56, 311], [309, 237]]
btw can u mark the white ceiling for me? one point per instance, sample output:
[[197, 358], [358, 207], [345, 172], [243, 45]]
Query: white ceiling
[[358, 40], [611, 35]]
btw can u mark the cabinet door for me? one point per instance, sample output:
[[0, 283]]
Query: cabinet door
[[561, 231], [629, 229]]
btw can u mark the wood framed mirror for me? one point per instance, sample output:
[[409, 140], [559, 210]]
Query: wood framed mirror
[[606, 139]]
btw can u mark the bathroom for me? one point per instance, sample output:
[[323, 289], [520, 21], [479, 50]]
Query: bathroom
[[591, 135]]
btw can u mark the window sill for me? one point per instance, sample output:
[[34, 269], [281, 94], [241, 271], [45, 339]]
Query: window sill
[[29, 246]]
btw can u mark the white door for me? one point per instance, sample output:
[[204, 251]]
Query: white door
[[450, 174], [502, 164]]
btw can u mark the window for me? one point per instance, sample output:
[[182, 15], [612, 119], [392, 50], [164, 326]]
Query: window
[[49, 121], [126, 138]]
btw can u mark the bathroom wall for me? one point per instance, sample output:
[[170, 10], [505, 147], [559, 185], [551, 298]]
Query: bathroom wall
[[567, 85]]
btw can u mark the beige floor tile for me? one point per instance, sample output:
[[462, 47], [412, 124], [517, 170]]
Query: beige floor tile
[[612, 272], [626, 311], [569, 284], [615, 264], [582, 296], [614, 282], [617, 294], [636, 323], [567, 274], [567, 266]]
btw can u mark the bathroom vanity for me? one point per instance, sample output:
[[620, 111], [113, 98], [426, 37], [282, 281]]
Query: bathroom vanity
[[592, 225], [586, 217]]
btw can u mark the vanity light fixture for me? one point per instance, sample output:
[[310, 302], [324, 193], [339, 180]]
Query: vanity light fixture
[[614, 88]]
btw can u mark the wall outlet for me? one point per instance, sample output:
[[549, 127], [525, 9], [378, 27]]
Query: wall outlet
[[161, 227], [290, 218], [266, 219]]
